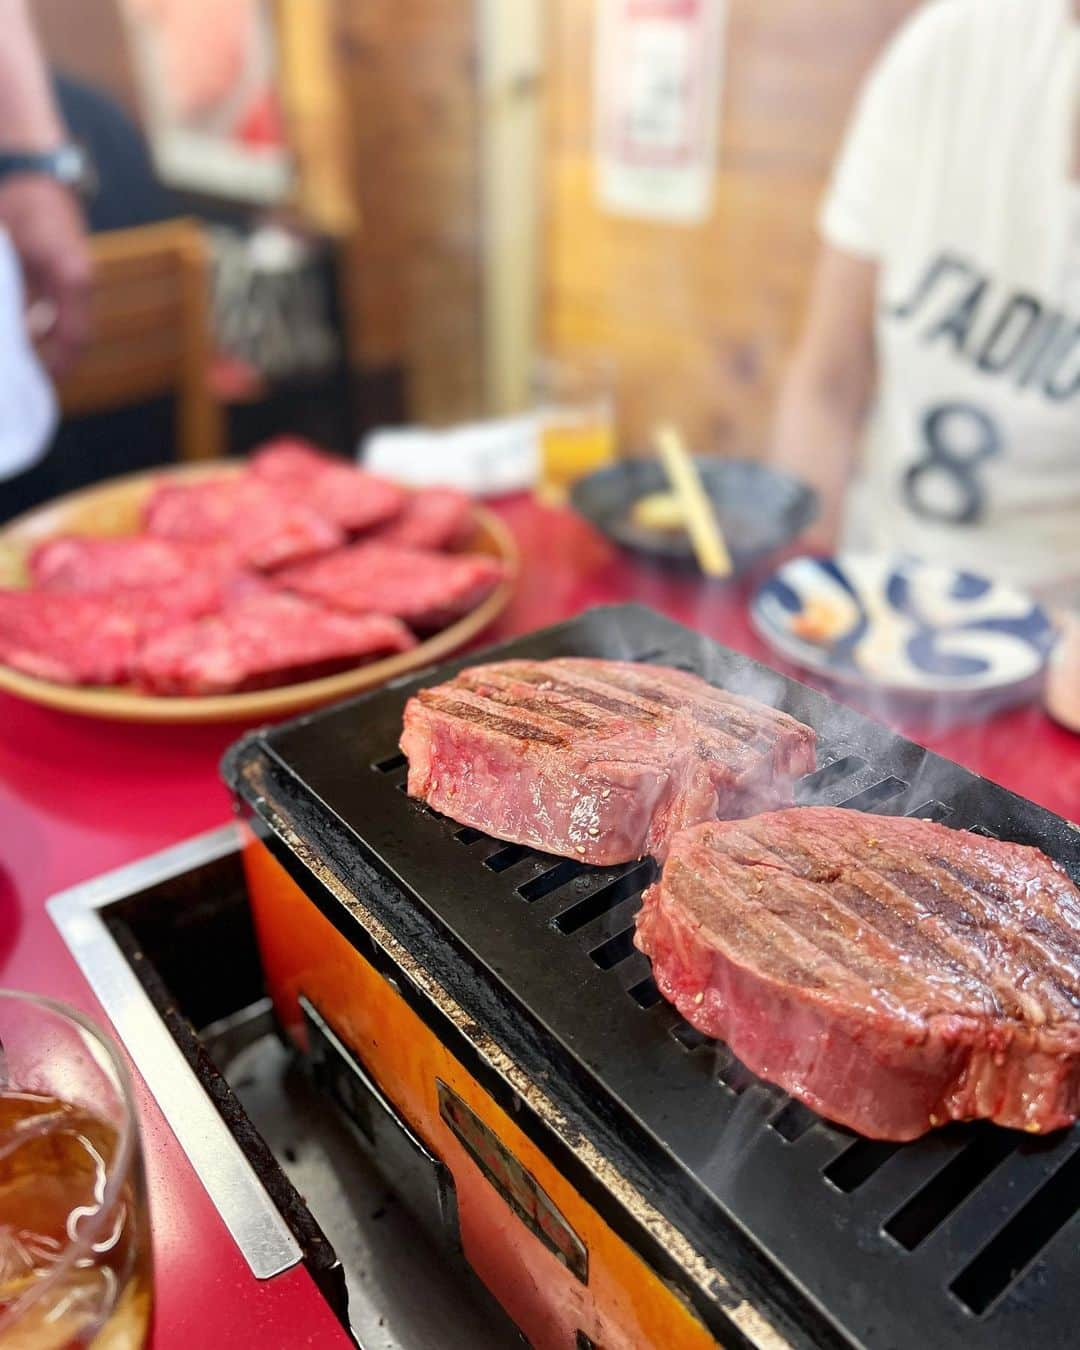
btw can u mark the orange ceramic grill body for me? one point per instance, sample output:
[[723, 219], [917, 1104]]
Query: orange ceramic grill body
[[622, 1304]]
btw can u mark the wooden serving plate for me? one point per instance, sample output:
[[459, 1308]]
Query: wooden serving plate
[[114, 507]]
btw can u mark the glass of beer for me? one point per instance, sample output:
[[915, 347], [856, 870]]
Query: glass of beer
[[75, 1261], [574, 399]]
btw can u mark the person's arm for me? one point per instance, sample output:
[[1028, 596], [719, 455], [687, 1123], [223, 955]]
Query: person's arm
[[831, 382], [829, 386], [41, 215]]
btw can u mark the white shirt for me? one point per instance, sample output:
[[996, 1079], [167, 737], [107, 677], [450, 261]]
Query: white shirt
[[956, 178], [27, 403]]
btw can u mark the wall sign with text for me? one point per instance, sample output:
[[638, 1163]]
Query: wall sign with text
[[658, 78]]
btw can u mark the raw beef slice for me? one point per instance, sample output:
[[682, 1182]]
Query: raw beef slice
[[104, 564], [84, 562], [334, 489], [263, 528], [262, 641], [426, 590], [435, 518], [73, 638]]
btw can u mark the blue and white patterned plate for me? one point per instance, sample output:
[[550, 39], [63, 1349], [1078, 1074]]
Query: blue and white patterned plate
[[902, 624]]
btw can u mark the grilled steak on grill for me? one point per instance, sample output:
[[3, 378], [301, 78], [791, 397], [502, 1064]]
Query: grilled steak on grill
[[890, 973], [598, 760]]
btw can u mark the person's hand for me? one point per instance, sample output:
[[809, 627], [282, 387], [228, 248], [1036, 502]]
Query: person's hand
[[48, 231]]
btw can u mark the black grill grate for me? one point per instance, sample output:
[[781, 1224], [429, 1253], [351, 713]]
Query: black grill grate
[[964, 1238]]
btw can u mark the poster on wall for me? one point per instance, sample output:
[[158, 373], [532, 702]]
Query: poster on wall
[[658, 80], [207, 74]]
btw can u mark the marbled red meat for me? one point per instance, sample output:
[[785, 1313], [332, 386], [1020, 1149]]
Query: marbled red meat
[[426, 590], [891, 973], [334, 489], [76, 638], [436, 518], [261, 525], [264, 640], [102, 564], [597, 760]]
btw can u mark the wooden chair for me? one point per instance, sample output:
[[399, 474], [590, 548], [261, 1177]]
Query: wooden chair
[[151, 332]]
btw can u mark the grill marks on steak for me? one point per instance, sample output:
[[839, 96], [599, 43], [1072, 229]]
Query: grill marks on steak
[[891, 973], [483, 717], [575, 757], [955, 905], [746, 745]]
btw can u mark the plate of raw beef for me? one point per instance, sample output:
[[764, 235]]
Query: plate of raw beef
[[243, 589]]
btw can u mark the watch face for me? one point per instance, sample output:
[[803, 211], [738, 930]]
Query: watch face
[[74, 167]]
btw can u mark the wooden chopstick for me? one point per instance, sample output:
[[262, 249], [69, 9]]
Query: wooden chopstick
[[710, 547]]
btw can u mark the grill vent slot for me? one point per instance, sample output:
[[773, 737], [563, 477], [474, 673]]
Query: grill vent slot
[[687, 1036], [858, 1163], [825, 777], [734, 1075], [389, 764], [551, 880], [877, 795], [931, 810], [793, 1120], [942, 1194], [615, 949], [1008, 1255], [506, 857], [645, 993], [606, 898], [467, 835]]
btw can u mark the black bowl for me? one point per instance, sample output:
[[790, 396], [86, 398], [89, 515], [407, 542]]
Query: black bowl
[[760, 510]]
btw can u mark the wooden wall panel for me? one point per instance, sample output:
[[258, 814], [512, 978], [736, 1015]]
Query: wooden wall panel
[[701, 318], [414, 283]]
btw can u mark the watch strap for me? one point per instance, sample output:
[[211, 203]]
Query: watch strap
[[67, 164]]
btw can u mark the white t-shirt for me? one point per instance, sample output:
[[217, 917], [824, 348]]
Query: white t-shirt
[[27, 404], [956, 178]]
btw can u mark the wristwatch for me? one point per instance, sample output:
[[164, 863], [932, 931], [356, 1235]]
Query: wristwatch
[[68, 164]]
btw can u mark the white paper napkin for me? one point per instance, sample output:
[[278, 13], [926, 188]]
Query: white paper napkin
[[483, 458]]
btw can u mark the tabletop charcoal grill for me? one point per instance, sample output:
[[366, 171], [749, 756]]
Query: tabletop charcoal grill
[[620, 1179]]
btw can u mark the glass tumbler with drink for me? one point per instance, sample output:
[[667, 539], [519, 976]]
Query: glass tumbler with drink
[[75, 1262], [574, 400]]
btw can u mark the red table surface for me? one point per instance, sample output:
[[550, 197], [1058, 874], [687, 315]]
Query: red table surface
[[79, 797]]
